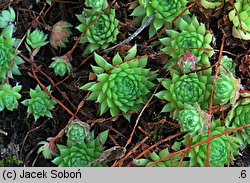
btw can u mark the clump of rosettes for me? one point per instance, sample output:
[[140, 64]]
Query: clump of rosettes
[[83, 154], [222, 148], [166, 12], [192, 37], [121, 86]]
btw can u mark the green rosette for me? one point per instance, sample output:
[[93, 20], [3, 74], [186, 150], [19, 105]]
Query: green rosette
[[40, 103], [239, 115], [81, 154], [241, 30], [166, 12], [222, 149], [190, 36], [192, 119], [185, 90], [102, 33], [9, 96], [226, 90], [7, 49], [122, 86]]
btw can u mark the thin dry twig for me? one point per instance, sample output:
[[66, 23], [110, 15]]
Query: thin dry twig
[[130, 38]]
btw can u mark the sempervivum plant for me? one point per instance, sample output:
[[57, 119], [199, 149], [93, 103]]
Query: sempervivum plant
[[40, 103], [222, 149], [227, 65], [78, 131], [60, 34], [239, 115], [7, 50], [185, 90], [187, 62], [61, 65], [191, 36], [241, 29], [210, 3], [81, 154], [97, 5], [166, 12], [35, 39], [121, 86], [45, 149], [7, 17], [191, 119], [171, 162], [9, 96], [226, 89], [102, 33]]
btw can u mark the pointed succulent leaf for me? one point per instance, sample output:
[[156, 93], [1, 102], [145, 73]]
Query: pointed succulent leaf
[[102, 62]]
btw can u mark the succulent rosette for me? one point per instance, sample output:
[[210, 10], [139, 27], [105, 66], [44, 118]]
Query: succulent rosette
[[187, 62], [226, 90], [7, 17], [61, 65], [222, 149], [227, 65], [81, 154], [171, 162], [45, 149], [121, 86], [36, 39], [210, 4], [40, 103], [185, 90], [96, 5], [102, 33], [9, 96], [191, 119], [7, 50], [78, 131], [192, 37], [239, 115], [166, 12], [60, 34], [241, 30]]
